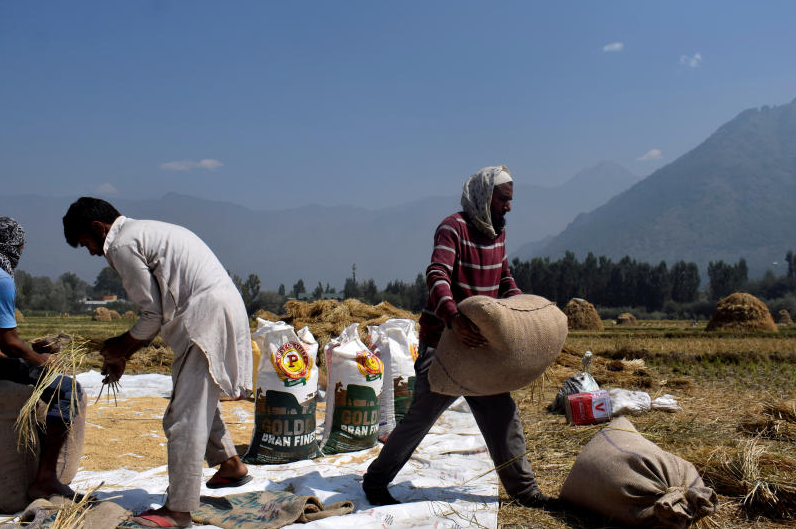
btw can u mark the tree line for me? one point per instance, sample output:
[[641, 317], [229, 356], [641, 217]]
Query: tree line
[[627, 283]]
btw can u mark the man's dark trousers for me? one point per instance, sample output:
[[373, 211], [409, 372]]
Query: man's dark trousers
[[497, 419]]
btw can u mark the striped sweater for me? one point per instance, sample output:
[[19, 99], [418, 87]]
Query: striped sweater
[[464, 263]]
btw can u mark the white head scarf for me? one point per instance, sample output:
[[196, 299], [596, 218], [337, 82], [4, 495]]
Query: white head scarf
[[477, 196]]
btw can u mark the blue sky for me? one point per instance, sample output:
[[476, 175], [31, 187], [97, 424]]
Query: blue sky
[[376, 103]]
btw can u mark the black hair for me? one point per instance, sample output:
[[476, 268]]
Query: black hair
[[82, 213]]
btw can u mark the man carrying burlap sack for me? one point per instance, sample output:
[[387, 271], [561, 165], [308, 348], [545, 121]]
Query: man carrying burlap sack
[[183, 292], [22, 364], [469, 258]]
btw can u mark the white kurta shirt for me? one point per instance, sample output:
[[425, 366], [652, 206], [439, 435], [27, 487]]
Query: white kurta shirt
[[183, 291]]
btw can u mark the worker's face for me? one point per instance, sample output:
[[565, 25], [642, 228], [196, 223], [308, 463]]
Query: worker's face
[[501, 204], [94, 240], [90, 242]]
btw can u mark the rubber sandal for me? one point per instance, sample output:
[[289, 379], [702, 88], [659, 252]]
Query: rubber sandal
[[162, 522], [222, 483]]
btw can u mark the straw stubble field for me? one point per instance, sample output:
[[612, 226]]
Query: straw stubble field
[[738, 424]]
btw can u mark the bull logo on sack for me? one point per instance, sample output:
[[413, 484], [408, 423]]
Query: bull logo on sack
[[413, 351], [369, 365], [292, 363]]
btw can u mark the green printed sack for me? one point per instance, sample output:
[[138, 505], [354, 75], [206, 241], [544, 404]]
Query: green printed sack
[[287, 385], [355, 377], [396, 342]]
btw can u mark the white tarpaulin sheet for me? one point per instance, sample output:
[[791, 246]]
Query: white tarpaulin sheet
[[447, 483]]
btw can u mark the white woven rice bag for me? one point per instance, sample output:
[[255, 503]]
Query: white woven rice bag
[[355, 378], [395, 342], [287, 385]]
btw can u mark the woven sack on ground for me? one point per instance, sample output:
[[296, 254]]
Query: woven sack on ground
[[19, 467], [264, 510], [41, 514], [623, 476], [524, 333]]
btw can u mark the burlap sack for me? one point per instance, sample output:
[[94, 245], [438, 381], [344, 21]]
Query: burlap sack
[[525, 335], [19, 468], [627, 478], [264, 510]]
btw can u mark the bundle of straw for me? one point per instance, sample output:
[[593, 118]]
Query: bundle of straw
[[741, 475], [67, 362]]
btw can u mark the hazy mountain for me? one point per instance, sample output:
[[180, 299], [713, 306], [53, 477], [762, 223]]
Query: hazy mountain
[[315, 243], [731, 197]]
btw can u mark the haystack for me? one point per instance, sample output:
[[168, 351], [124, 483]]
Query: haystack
[[741, 311], [114, 315], [101, 314], [18, 315], [626, 319], [328, 317], [128, 315], [606, 372], [783, 318], [266, 315], [582, 316]]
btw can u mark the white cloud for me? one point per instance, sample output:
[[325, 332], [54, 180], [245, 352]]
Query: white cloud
[[692, 61], [652, 154], [187, 165], [614, 46], [106, 189]]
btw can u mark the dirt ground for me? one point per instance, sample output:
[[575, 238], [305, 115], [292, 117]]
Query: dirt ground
[[129, 434]]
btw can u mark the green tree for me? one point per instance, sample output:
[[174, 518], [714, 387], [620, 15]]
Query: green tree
[[298, 288], [108, 283], [281, 290], [318, 292], [685, 282], [351, 288], [249, 291]]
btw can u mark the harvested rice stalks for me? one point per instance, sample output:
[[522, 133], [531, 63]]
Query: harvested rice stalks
[[68, 363], [740, 474]]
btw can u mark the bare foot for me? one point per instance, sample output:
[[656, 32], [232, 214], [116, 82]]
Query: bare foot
[[231, 469], [156, 518], [45, 489]]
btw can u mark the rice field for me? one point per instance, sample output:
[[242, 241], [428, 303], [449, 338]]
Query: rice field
[[738, 424]]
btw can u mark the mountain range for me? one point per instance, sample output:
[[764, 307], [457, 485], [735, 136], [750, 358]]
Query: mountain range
[[313, 242], [730, 197]]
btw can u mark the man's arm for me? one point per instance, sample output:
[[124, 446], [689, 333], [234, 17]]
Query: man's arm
[[438, 279], [12, 346], [507, 287], [142, 288]]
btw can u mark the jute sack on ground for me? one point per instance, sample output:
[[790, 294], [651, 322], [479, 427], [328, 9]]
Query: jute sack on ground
[[525, 334], [265, 510], [627, 478], [19, 466]]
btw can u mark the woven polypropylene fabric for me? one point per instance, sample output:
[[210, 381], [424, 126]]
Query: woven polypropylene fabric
[[524, 334]]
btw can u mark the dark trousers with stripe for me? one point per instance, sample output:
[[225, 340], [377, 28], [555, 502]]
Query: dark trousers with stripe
[[496, 416]]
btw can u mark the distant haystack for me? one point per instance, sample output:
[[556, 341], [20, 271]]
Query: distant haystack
[[18, 315], [783, 318], [101, 314], [266, 315], [129, 315], [114, 315], [327, 318], [582, 316], [626, 319], [741, 311]]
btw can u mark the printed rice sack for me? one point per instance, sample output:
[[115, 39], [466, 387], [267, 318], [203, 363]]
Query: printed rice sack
[[287, 385], [628, 478], [355, 378], [525, 334], [395, 342]]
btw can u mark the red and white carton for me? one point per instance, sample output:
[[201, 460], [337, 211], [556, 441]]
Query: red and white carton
[[591, 407]]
